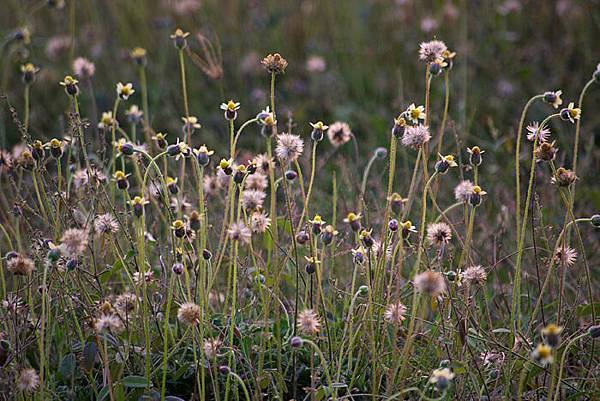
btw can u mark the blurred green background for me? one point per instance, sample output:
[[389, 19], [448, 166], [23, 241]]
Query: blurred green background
[[351, 60]]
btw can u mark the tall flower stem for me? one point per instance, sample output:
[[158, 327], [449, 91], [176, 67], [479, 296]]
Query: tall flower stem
[[305, 209], [26, 100], [515, 306], [144, 85], [518, 162], [562, 365], [166, 336]]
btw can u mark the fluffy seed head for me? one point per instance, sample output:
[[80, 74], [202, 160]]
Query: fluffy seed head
[[289, 147], [211, 347], [416, 136], [257, 181], [439, 234], [73, 242], [29, 380], [474, 275], [189, 313], [431, 283], [20, 265], [395, 313], [239, 232], [339, 133], [106, 224], [252, 199], [565, 255], [259, 222], [432, 50], [463, 191], [108, 322], [308, 322]]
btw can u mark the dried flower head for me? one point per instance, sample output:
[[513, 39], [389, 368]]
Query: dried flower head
[[259, 222], [308, 322], [534, 130], [463, 191], [566, 256], [432, 50], [563, 177], [239, 232], [439, 234], [395, 313], [29, 380], [416, 136], [473, 275], [257, 181], [106, 224], [189, 313], [108, 322], [126, 303], [20, 265], [274, 63], [546, 151], [430, 283], [252, 199], [73, 242], [289, 147], [339, 133], [211, 347]]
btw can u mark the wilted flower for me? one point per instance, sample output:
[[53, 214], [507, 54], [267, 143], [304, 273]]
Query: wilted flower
[[463, 191], [239, 232], [565, 255], [20, 265], [395, 313], [439, 234], [274, 63], [546, 151], [189, 313], [432, 50], [430, 282], [339, 133], [289, 147], [534, 129], [74, 242], [473, 275], [308, 322], [29, 380], [416, 136], [563, 177]]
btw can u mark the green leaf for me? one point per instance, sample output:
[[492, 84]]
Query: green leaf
[[135, 382], [67, 365], [586, 310], [89, 356], [501, 330]]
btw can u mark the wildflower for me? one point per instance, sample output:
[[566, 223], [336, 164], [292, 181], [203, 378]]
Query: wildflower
[[475, 155], [431, 283], [397, 202], [179, 150], [542, 354], [308, 322], [318, 130], [29, 380], [317, 222], [407, 228], [399, 126], [393, 225], [553, 98], [37, 148], [257, 181], [239, 232], [83, 68], [563, 177], [441, 378], [445, 162], [263, 163], [566, 256], [190, 123], [477, 196], [252, 199], [353, 220], [296, 342], [551, 334], [211, 347], [436, 67], [266, 118], [432, 50], [108, 322], [339, 133], [546, 151], [534, 130], [121, 179], [366, 238], [70, 85], [473, 275], [463, 191], [138, 204], [179, 38], [274, 63], [20, 265], [26, 160], [259, 222], [230, 108], [106, 224], [416, 136], [189, 313], [240, 173], [289, 147], [302, 237], [124, 91], [178, 228], [358, 255], [328, 234], [134, 114], [106, 121], [439, 234], [28, 72], [56, 148], [415, 113], [448, 57], [147, 277], [74, 241], [395, 313], [138, 55], [311, 264], [570, 113], [172, 185], [291, 175]]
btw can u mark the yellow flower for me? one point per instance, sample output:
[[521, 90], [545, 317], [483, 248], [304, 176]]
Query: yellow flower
[[124, 91]]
